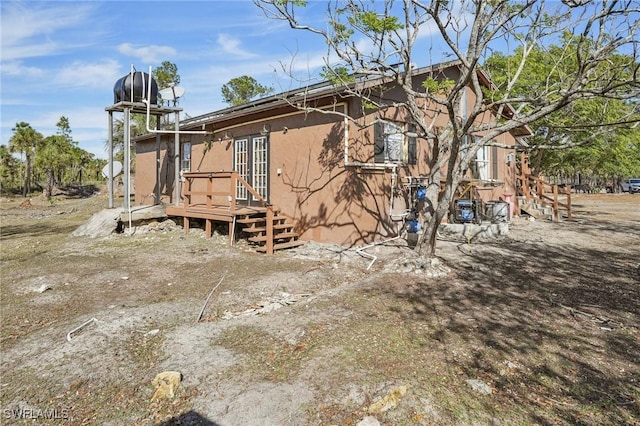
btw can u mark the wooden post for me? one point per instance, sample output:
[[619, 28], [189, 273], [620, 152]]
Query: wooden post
[[232, 191], [540, 189], [232, 230], [207, 228], [187, 192], [209, 190], [568, 189], [269, 230]]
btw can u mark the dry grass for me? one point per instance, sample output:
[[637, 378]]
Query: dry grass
[[548, 318]]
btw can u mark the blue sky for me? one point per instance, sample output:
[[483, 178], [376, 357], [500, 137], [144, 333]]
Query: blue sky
[[64, 57]]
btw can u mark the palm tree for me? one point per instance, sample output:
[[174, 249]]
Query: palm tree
[[8, 169], [24, 140]]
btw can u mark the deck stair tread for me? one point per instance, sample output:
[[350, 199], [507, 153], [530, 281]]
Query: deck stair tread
[[282, 236], [276, 226], [280, 246], [213, 205], [261, 219]]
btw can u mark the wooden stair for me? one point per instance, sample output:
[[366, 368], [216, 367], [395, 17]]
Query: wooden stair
[[212, 196], [535, 209], [284, 234]]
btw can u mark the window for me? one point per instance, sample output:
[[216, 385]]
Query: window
[[241, 165], [485, 166], [251, 161], [260, 171], [482, 164], [391, 145], [185, 157]]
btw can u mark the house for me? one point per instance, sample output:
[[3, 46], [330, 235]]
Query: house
[[323, 177]]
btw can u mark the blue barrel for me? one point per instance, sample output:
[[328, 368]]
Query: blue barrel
[[414, 226]]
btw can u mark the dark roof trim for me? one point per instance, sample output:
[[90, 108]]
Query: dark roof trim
[[323, 90]]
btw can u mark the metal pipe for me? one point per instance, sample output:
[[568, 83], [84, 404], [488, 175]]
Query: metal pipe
[[346, 134], [371, 166], [147, 101], [373, 258], [158, 193], [81, 326], [110, 176], [127, 152], [176, 161], [127, 161]]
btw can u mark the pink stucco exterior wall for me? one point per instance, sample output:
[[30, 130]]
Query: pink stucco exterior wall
[[308, 179]]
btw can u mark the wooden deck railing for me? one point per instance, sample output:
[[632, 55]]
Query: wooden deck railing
[[220, 189], [536, 189], [216, 191]]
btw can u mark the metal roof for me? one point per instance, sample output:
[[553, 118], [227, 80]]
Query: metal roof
[[322, 90]]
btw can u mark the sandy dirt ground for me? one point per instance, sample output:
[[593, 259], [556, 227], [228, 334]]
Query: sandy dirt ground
[[539, 326]]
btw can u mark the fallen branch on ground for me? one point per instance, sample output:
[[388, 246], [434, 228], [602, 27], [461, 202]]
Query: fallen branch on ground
[[209, 297]]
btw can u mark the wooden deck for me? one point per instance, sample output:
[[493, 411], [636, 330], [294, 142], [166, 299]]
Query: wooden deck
[[219, 213], [212, 214], [211, 196]]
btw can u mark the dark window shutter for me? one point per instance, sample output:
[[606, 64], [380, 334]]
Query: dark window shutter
[[412, 147], [494, 162], [379, 142]]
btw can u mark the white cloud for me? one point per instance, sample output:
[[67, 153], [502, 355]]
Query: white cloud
[[17, 68], [148, 54], [31, 29], [231, 45], [86, 74], [29, 50]]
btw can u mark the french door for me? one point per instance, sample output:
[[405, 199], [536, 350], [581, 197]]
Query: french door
[[251, 161]]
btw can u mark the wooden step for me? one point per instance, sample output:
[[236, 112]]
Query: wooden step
[[257, 219], [280, 226], [251, 220], [261, 226], [281, 236], [537, 212], [281, 246]]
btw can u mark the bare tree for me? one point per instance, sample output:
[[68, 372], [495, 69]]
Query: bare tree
[[377, 39]]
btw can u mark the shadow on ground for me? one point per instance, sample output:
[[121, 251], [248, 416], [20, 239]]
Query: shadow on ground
[[514, 311]]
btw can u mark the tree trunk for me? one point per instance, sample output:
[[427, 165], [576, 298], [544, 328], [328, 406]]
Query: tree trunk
[[48, 190], [427, 246], [26, 190]]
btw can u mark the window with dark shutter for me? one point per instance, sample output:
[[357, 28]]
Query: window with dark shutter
[[185, 157], [379, 142], [494, 162], [412, 149], [389, 143]]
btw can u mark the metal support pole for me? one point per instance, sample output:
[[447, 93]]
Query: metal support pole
[[110, 177], [158, 163], [127, 159], [176, 148]]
